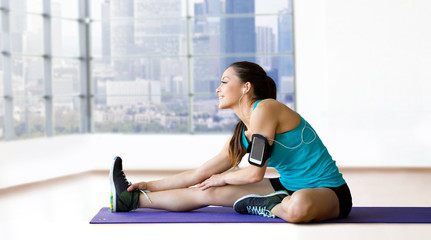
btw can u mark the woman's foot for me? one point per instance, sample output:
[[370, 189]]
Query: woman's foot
[[259, 204], [121, 199]]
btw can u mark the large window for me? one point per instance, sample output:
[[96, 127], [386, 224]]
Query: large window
[[41, 67], [141, 66]]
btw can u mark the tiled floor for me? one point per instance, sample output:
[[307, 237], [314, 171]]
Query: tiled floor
[[61, 209]]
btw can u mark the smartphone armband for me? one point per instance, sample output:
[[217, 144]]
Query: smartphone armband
[[259, 150]]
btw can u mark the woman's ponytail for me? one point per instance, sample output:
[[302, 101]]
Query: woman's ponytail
[[236, 148]]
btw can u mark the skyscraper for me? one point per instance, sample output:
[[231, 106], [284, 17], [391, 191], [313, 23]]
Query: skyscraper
[[265, 44], [122, 32], [285, 45], [158, 31], [206, 40], [238, 33]]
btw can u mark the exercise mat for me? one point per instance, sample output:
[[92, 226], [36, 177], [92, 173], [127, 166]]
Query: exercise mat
[[228, 215]]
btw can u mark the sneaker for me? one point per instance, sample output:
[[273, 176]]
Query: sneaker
[[121, 199], [258, 204]]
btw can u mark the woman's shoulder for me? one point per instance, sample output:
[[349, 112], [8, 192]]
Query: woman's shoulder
[[270, 105]]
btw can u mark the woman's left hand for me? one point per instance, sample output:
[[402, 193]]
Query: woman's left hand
[[216, 180]]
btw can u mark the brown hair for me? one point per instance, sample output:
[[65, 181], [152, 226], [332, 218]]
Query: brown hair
[[263, 87]]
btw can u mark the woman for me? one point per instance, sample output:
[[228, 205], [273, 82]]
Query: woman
[[310, 187]]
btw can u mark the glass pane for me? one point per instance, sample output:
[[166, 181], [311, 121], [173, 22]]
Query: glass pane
[[287, 99], [137, 8], [121, 41], [141, 37], [158, 8], [27, 5], [141, 114], [100, 39], [65, 8], [1, 119], [27, 76], [98, 8], [65, 38], [159, 36], [207, 117], [65, 77], [150, 97], [1, 77], [26, 33], [217, 7], [66, 115], [205, 7], [273, 6], [284, 33], [154, 28], [225, 36], [207, 72], [1, 31], [170, 73], [29, 117], [282, 73], [266, 34]]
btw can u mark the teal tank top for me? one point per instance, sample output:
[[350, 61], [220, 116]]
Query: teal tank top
[[303, 161]]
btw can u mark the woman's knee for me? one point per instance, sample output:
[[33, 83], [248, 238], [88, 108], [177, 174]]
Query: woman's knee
[[308, 205], [299, 208]]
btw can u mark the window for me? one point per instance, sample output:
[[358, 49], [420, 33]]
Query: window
[[157, 63], [141, 66], [41, 66]]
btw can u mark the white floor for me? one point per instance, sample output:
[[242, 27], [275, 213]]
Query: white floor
[[61, 209]]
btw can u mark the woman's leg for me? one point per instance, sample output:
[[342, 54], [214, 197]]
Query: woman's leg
[[307, 205], [187, 199]]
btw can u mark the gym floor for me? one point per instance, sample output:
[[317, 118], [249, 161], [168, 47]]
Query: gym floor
[[61, 208]]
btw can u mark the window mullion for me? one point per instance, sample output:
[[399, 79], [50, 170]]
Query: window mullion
[[85, 77], [47, 48], [189, 68], [7, 74]]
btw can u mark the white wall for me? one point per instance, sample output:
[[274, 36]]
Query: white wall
[[25, 161], [363, 75]]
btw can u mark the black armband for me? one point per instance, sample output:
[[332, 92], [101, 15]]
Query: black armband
[[259, 150]]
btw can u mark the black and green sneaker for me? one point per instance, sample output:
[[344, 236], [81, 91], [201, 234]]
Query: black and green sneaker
[[121, 199], [258, 204]]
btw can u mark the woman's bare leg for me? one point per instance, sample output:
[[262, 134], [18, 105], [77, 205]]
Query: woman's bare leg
[[186, 199], [306, 205]]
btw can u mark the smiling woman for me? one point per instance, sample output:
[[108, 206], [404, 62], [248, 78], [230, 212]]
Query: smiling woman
[[310, 187]]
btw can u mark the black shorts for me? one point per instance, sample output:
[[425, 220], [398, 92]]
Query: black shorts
[[342, 192]]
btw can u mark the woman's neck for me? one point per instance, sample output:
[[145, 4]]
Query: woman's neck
[[243, 110]]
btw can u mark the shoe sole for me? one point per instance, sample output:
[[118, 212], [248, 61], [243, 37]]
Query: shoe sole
[[260, 196], [113, 191]]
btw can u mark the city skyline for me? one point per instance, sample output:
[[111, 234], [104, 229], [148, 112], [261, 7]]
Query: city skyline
[[153, 91]]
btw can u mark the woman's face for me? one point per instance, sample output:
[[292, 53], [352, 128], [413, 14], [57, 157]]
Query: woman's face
[[230, 89]]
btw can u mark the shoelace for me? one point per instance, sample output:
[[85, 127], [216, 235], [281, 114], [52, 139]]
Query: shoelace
[[130, 183], [145, 193], [262, 211]]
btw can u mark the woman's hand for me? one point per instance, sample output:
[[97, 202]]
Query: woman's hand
[[139, 185], [216, 180]]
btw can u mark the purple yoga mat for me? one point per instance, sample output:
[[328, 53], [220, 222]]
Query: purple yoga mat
[[228, 215]]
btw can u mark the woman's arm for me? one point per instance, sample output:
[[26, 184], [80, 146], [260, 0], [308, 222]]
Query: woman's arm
[[248, 175], [215, 165], [264, 121]]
